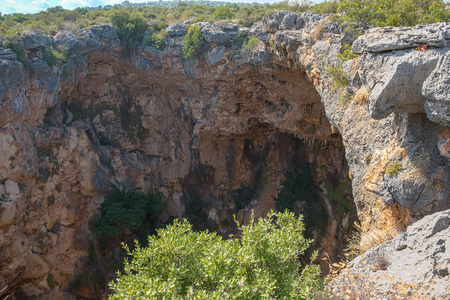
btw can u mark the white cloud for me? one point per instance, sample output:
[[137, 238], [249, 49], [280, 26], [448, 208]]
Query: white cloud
[[74, 3]]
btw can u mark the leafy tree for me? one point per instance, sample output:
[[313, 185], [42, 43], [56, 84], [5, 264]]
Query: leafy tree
[[182, 264], [130, 28], [126, 211], [393, 12], [223, 13], [326, 7], [192, 42]]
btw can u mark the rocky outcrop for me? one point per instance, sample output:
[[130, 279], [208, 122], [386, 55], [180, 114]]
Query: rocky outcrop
[[202, 131], [418, 258]]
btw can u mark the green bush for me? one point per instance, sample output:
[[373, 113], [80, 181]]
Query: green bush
[[243, 196], [393, 12], [158, 40], [326, 7], [250, 46], [192, 42], [125, 211], [182, 264], [130, 28], [337, 75], [54, 57], [300, 195], [15, 43], [223, 13]]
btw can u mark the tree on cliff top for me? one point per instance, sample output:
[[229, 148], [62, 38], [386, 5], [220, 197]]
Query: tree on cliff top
[[192, 42], [393, 12], [130, 28], [182, 264]]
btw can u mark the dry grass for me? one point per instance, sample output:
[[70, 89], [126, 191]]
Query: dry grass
[[362, 95], [368, 236], [317, 34], [353, 284]]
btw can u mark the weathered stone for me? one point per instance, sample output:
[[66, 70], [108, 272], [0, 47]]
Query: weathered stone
[[7, 54], [420, 257], [36, 40], [220, 33], [397, 38], [177, 30], [437, 91]]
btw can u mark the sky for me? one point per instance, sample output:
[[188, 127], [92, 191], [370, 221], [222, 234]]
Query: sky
[[33, 6]]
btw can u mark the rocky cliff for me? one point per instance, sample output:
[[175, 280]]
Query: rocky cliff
[[203, 131]]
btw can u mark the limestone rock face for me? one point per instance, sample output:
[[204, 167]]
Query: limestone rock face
[[204, 131], [437, 90], [420, 257]]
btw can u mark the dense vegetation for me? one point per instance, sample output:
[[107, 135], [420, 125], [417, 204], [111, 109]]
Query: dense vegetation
[[361, 12], [135, 23], [393, 12], [182, 264], [124, 212]]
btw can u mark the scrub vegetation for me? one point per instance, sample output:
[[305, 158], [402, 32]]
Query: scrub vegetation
[[180, 263]]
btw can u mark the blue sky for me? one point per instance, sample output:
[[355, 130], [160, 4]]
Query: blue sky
[[32, 6]]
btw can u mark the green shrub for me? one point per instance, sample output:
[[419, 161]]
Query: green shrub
[[54, 57], [394, 168], [223, 13], [326, 7], [130, 28], [15, 43], [338, 77], [345, 97], [243, 196], [125, 211], [300, 195], [182, 264], [393, 12], [346, 54], [192, 42], [340, 195], [157, 40], [250, 46]]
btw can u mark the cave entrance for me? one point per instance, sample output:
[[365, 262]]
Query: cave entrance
[[220, 141]]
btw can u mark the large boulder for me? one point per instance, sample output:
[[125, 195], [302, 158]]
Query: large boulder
[[419, 257], [397, 38]]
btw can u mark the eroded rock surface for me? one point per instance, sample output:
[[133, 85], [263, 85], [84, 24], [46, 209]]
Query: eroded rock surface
[[419, 257]]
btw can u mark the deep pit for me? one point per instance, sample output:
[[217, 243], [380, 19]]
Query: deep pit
[[222, 140], [219, 143]]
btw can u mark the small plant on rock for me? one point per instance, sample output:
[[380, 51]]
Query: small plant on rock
[[157, 39], [394, 168], [250, 46]]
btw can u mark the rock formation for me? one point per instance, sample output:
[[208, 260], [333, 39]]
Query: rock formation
[[417, 260], [200, 130]]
